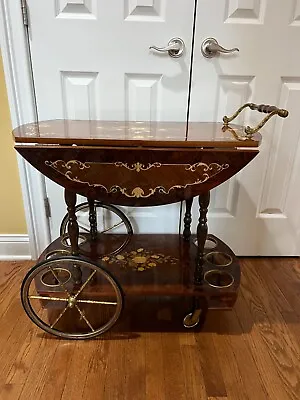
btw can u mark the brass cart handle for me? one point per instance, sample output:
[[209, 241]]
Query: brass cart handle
[[263, 108]]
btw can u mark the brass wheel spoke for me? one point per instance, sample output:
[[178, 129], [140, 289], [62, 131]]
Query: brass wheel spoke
[[85, 318], [59, 317], [112, 227], [47, 298], [48, 307], [106, 303], [83, 228], [85, 283], [60, 283]]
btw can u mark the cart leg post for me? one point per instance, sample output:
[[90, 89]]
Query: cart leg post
[[201, 236], [188, 219], [93, 219], [73, 230]]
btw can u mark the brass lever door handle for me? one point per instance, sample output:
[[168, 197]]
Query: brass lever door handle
[[175, 48]]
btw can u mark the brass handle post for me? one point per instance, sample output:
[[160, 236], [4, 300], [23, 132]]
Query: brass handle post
[[263, 108]]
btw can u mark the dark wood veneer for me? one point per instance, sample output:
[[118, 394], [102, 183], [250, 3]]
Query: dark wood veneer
[[140, 164], [172, 181], [166, 279]]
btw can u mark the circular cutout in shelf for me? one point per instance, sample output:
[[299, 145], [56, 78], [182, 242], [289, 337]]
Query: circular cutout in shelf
[[56, 253], [65, 241], [219, 279], [210, 244], [219, 259], [56, 277]]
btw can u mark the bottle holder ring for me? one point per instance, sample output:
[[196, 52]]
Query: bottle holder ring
[[218, 259], [210, 243], [219, 279], [55, 277], [57, 253], [65, 241]]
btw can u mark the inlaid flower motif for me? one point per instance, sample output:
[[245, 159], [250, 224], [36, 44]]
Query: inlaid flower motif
[[152, 264], [140, 260]]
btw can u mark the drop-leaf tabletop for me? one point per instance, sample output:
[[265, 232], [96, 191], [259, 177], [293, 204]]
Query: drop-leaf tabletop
[[77, 288]]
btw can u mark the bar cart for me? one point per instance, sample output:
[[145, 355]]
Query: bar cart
[[77, 288]]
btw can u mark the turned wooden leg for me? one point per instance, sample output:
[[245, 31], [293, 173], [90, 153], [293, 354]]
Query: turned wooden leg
[[93, 219], [201, 236], [73, 230], [187, 219]]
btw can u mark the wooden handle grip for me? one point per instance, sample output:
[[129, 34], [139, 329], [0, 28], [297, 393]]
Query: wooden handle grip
[[267, 109]]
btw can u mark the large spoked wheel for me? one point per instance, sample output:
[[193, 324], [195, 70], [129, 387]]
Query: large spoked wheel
[[109, 219], [55, 301]]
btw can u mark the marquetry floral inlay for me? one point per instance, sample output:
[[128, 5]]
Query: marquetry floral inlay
[[140, 260], [35, 127]]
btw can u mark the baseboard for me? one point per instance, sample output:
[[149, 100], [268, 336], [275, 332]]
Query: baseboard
[[14, 247]]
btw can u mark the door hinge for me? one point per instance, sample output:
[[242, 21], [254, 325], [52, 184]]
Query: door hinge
[[24, 8], [47, 207]]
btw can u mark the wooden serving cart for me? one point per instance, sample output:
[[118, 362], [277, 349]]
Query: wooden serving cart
[[77, 288]]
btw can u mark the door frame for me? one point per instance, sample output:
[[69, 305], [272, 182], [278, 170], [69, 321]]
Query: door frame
[[21, 99]]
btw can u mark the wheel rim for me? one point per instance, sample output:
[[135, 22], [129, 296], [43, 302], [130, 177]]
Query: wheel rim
[[191, 321], [114, 228], [60, 306]]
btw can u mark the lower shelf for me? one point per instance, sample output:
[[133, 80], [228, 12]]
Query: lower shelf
[[161, 265]]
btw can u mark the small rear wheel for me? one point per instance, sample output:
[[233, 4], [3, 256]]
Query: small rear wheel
[[59, 305], [109, 221], [192, 319], [197, 317]]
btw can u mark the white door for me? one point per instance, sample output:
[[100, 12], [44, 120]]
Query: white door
[[257, 212], [91, 60]]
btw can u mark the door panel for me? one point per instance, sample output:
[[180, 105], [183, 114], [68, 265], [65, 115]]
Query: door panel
[[99, 51], [85, 9], [255, 212], [91, 60]]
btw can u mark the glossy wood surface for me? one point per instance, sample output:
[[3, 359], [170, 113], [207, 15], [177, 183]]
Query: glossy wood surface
[[249, 353], [139, 177], [110, 133], [156, 265]]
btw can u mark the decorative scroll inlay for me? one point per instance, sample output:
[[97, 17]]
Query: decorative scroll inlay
[[138, 167], [198, 173], [140, 260]]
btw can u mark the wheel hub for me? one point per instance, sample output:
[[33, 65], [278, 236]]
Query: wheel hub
[[71, 302]]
